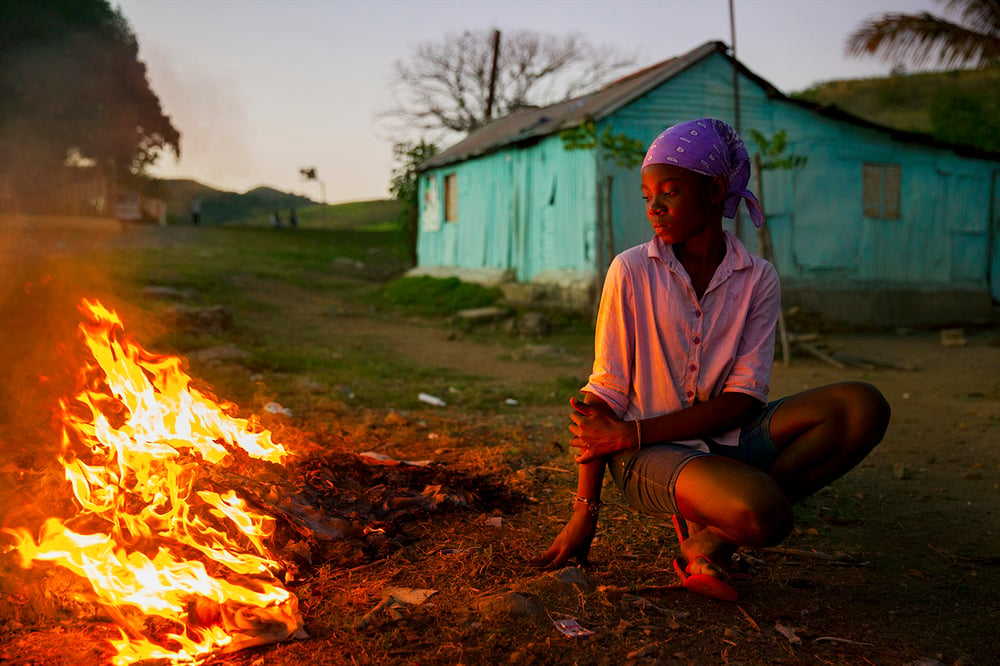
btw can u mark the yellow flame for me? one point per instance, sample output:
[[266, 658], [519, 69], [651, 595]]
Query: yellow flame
[[133, 443]]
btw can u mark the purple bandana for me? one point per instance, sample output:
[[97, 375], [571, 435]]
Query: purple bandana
[[712, 148]]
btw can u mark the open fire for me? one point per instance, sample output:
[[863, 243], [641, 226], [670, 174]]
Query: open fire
[[183, 570]]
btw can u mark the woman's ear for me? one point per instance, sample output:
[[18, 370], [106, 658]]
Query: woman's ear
[[718, 189]]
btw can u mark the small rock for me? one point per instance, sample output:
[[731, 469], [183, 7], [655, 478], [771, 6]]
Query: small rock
[[573, 576], [901, 471], [507, 603], [213, 319], [395, 419]]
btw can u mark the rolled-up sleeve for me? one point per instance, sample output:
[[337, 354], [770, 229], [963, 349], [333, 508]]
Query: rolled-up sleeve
[[614, 341], [751, 371]]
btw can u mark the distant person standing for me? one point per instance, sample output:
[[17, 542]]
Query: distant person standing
[[276, 219], [196, 211], [293, 218]]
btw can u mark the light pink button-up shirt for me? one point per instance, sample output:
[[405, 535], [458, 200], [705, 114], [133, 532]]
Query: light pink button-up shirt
[[659, 349]]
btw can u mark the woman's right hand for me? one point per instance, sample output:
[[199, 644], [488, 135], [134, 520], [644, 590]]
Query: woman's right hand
[[573, 541]]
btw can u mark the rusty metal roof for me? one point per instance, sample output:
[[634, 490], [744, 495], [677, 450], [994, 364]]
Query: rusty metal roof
[[530, 124]]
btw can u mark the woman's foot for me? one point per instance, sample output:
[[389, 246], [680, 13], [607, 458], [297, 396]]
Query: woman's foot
[[702, 565], [707, 554]]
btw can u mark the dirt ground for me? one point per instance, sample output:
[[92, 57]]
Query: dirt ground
[[897, 563]]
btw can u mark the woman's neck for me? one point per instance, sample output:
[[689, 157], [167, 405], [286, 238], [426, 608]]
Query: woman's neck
[[701, 255]]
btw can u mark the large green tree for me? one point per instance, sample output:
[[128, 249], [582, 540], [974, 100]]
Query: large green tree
[[967, 35], [73, 90]]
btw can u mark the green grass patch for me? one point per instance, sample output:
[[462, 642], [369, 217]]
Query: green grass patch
[[434, 297]]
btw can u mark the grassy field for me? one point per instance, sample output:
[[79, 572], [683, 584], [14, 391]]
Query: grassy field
[[301, 302]]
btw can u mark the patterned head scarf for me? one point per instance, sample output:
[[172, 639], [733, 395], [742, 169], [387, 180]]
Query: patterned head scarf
[[712, 148]]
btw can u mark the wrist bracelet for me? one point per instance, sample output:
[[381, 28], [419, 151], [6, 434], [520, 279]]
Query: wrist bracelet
[[638, 434], [593, 505]]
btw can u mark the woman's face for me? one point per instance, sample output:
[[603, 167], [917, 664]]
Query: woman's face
[[680, 203]]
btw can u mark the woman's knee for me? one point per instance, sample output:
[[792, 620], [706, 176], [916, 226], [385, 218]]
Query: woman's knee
[[866, 410]]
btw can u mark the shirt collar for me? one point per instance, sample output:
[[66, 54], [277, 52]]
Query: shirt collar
[[737, 256]]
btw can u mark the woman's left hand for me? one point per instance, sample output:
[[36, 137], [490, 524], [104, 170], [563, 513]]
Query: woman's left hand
[[598, 432]]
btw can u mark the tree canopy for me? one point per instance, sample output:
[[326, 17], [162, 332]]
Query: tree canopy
[[967, 36], [452, 86], [74, 92]]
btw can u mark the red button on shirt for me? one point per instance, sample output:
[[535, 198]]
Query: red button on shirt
[[696, 340]]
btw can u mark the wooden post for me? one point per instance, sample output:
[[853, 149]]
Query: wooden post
[[766, 250]]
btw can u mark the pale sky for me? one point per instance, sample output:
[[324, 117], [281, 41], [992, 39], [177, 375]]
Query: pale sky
[[260, 88]]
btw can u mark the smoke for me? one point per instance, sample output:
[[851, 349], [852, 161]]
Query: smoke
[[209, 110], [45, 273]]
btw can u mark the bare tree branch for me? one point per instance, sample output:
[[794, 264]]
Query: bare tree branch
[[445, 85]]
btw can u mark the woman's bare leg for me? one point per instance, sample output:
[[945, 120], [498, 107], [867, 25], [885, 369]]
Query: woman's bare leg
[[823, 433]]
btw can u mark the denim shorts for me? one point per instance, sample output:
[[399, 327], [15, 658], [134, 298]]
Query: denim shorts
[[646, 477]]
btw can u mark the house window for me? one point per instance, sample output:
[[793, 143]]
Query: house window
[[451, 197], [881, 191]]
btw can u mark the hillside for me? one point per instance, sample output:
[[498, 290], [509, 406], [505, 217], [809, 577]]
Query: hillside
[[220, 206], [961, 106]]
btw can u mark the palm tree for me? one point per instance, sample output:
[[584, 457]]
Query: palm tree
[[968, 37]]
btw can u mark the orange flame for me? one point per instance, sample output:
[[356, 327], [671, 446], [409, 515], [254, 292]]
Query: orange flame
[[133, 442]]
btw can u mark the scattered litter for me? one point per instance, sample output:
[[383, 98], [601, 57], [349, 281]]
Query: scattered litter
[[511, 402], [408, 595], [788, 633], [450, 551], [393, 600], [382, 459], [495, 521], [275, 408], [431, 399], [571, 628]]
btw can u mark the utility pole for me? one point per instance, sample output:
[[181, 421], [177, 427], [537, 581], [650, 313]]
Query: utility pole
[[736, 90], [493, 76]]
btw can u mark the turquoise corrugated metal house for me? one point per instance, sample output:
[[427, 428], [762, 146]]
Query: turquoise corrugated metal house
[[879, 227]]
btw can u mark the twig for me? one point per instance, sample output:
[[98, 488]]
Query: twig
[[823, 356], [842, 640], [367, 618], [808, 554], [554, 469], [749, 619]]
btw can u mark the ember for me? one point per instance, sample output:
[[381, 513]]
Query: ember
[[151, 545]]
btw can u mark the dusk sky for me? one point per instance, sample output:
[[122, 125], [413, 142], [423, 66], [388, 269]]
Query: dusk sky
[[260, 88]]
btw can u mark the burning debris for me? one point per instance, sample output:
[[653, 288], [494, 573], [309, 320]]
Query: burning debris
[[134, 440], [190, 521]]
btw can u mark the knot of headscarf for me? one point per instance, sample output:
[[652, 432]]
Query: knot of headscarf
[[712, 148]]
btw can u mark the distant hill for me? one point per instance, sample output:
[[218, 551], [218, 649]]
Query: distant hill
[[254, 207], [961, 106], [220, 206]]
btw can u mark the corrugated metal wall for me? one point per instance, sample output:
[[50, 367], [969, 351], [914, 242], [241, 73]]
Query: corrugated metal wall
[[525, 208]]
